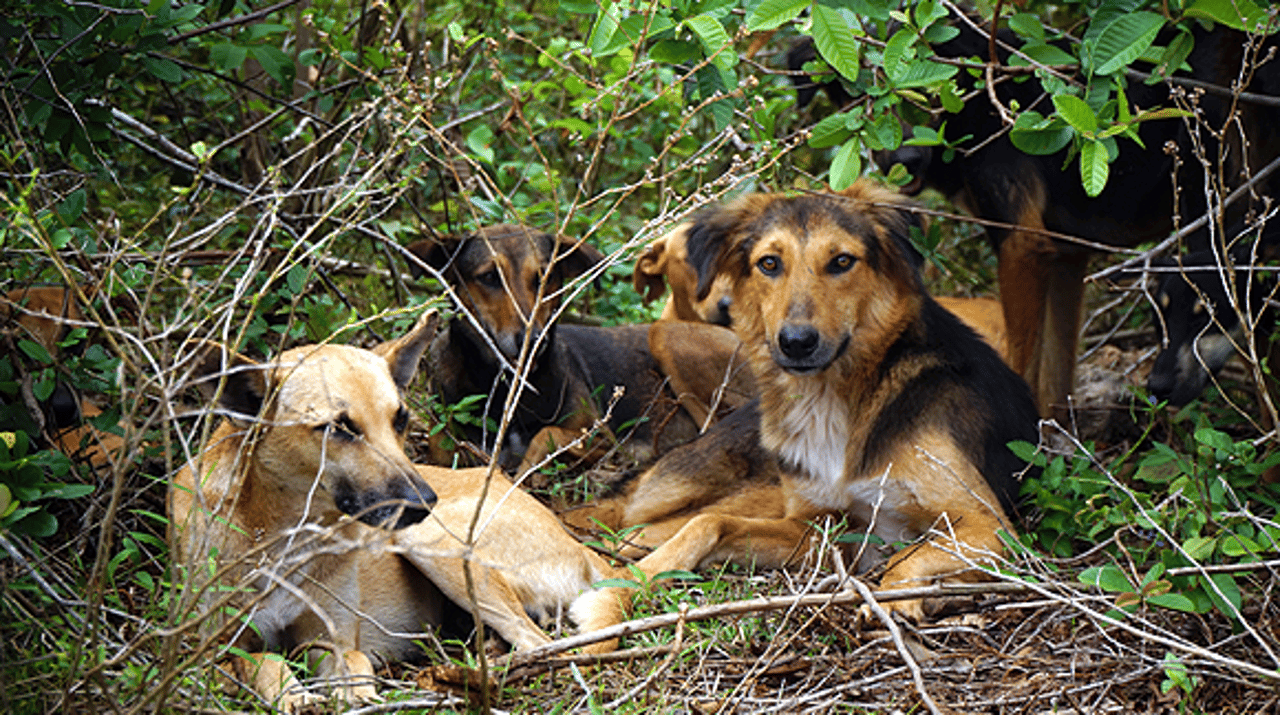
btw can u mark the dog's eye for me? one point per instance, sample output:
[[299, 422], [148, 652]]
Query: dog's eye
[[490, 279], [401, 422], [841, 263], [770, 265], [344, 428]]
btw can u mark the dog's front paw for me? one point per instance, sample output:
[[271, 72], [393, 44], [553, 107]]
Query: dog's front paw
[[911, 609]]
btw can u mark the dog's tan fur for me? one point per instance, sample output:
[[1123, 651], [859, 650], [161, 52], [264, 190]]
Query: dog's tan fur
[[877, 403], [328, 441], [665, 262], [525, 566], [985, 316]]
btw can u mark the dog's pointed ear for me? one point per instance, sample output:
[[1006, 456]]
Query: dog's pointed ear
[[405, 352], [434, 252], [648, 277], [574, 257], [246, 385]]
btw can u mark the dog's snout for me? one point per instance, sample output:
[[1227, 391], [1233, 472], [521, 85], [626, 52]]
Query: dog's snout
[[403, 502], [797, 341], [722, 311]]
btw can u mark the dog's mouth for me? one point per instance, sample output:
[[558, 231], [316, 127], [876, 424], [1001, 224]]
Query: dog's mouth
[[802, 351], [400, 505]]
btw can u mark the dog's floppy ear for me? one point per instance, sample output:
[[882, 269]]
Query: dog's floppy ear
[[246, 380], [434, 252], [710, 244], [574, 257], [651, 267], [405, 352]]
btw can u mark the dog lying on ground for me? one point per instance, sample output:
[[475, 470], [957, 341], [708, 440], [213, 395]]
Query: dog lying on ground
[[509, 279], [1041, 279], [1199, 320], [665, 262], [878, 405], [264, 501]]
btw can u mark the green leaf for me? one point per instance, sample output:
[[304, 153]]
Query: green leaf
[[616, 583], [1108, 578], [1027, 25], [771, 14], [675, 51], [1237, 14], [714, 38], [922, 73], [1175, 601], [831, 131], [1044, 54], [836, 41], [40, 524], [1124, 40], [225, 56], [35, 351], [676, 575], [7, 503], [847, 165], [1075, 112], [1034, 134], [163, 70], [275, 63], [1199, 548], [606, 26], [896, 51], [1236, 545], [480, 141], [1093, 167], [71, 209]]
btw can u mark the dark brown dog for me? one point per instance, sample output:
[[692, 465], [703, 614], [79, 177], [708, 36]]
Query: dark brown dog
[[879, 405], [507, 282]]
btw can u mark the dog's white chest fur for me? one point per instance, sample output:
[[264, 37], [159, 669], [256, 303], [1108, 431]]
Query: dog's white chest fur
[[814, 431]]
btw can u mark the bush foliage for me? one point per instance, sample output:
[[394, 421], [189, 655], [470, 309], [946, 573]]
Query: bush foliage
[[249, 173]]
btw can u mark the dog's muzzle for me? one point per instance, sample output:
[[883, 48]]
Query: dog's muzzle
[[405, 502], [801, 349]]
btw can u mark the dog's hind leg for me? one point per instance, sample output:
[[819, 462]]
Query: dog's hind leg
[[1052, 370]]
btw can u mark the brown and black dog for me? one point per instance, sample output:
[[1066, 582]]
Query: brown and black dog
[[877, 404], [1041, 279], [509, 279]]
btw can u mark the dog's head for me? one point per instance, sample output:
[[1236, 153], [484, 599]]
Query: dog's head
[[667, 258], [816, 277], [498, 273], [1199, 328], [332, 416]]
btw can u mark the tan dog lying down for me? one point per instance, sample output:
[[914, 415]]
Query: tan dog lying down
[[275, 504]]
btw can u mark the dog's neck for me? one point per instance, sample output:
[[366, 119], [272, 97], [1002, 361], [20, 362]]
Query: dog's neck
[[808, 420]]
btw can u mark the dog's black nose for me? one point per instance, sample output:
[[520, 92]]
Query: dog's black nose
[[722, 311], [797, 341]]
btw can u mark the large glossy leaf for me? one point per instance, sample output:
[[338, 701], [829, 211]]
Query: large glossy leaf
[[1121, 42], [1094, 168], [771, 14], [1239, 14], [922, 73], [836, 40]]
